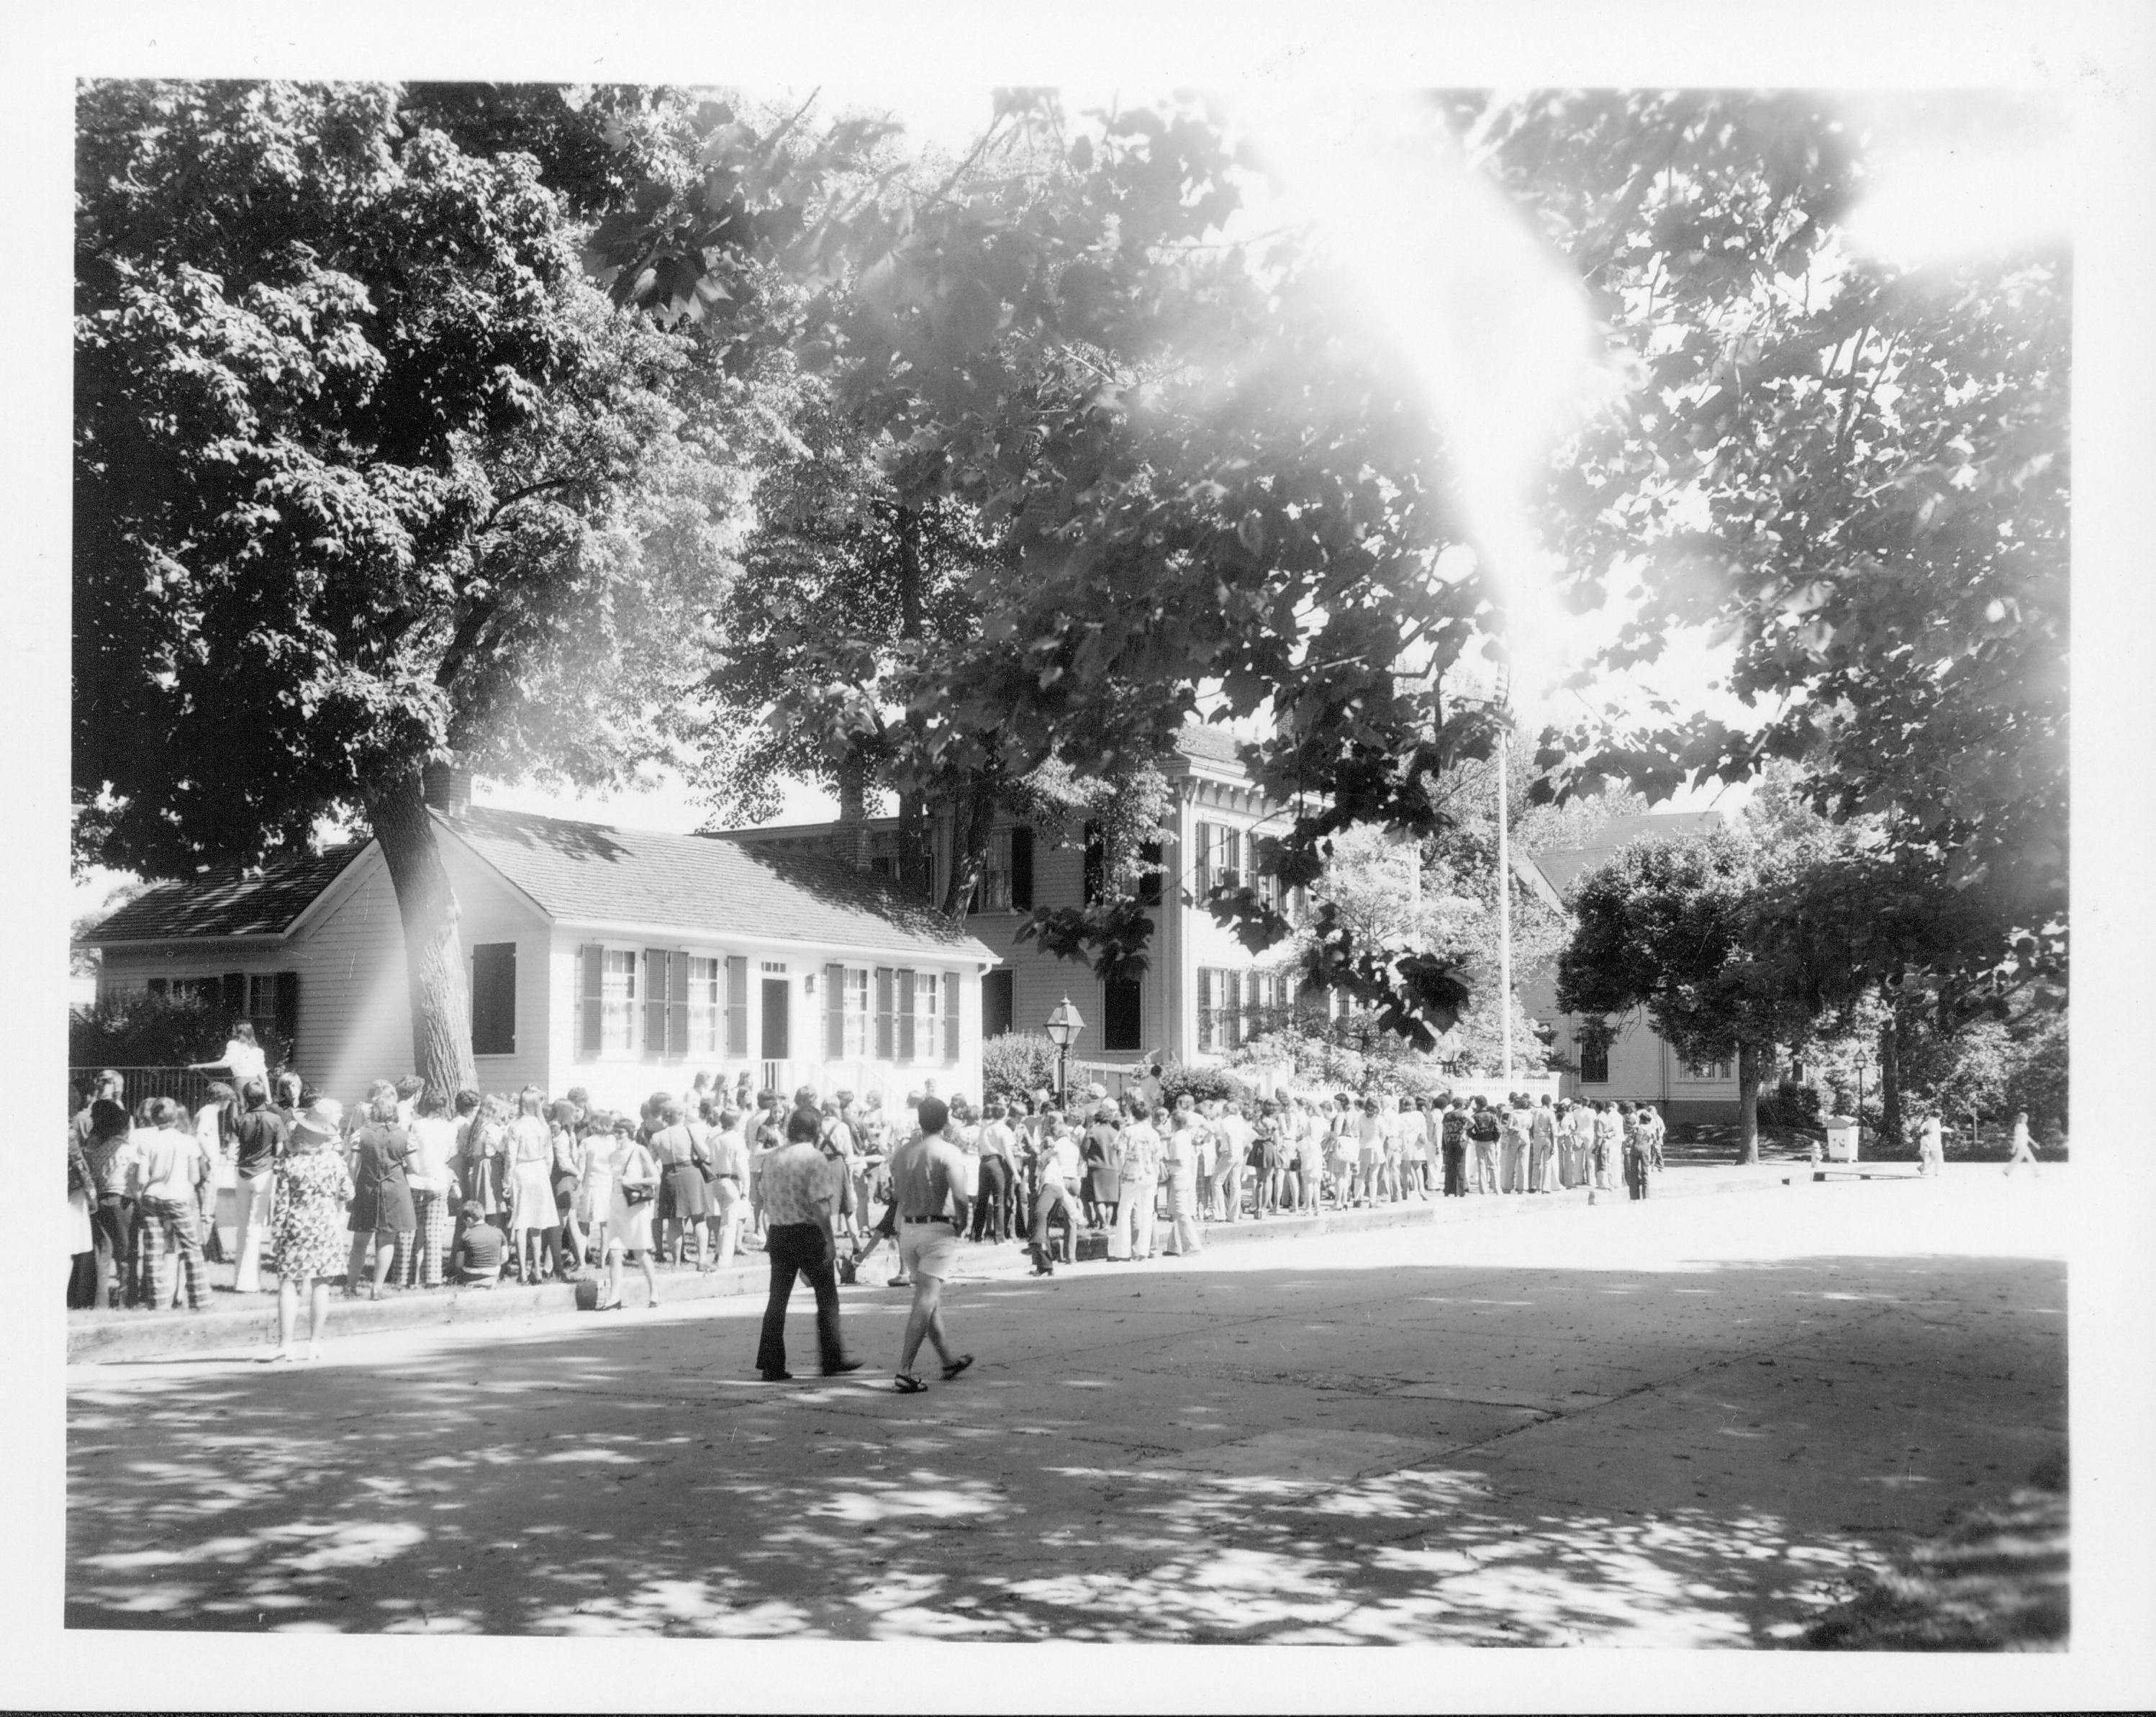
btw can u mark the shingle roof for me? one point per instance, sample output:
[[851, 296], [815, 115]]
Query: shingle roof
[[227, 902], [1564, 868], [586, 873], [1201, 738]]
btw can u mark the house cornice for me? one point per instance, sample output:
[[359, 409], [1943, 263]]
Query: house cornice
[[249, 939], [472, 852], [341, 887], [979, 953]]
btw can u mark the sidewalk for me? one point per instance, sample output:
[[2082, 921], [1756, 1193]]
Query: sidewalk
[[238, 1325]]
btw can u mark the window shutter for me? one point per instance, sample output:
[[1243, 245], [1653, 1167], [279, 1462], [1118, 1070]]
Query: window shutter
[[677, 1004], [1206, 835], [654, 1003], [1204, 1007], [1121, 1007], [592, 958], [1021, 869], [1096, 864], [235, 994], [1234, 1009], [835, 1012], [1149, 881], [886, 1018], [1231, 858], [737, 1004], [905, 1013], [494, 998], [950, 1015], [288, 1014]]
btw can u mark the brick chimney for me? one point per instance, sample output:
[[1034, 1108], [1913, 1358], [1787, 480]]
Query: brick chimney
[[849, 840], [447, 787]]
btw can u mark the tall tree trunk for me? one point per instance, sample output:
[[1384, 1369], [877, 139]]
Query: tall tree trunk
[[912, 603], [434, 952], [975, 821], [916, 850], [1748, 1102], [917, 847], [1890, 1078]]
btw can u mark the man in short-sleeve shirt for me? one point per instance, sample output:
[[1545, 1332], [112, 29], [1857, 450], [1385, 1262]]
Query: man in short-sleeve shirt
[[800, 1198]]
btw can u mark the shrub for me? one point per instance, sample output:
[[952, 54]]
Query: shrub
[[1015, 1064], [136, 1029], [1791, 1106], [1205, 1085]]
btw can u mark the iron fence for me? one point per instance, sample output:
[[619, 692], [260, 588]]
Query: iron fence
[[185, 1084]]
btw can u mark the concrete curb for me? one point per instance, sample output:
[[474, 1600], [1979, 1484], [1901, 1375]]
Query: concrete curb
[[233, 1324]]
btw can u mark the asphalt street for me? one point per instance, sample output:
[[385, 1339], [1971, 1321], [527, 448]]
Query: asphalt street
[[1680, 1423]]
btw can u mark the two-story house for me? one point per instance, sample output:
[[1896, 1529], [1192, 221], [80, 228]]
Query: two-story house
[[1202, 993]]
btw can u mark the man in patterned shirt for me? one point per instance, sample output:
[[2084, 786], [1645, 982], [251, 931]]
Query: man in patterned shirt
[[800, 1197]]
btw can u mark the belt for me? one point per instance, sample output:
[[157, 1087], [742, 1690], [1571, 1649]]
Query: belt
[[918, 1220]]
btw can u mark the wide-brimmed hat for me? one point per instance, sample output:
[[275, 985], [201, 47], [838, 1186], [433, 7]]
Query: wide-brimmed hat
[[319, 1122]]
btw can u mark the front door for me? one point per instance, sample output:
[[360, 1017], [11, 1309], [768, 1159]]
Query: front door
[[775, 992]]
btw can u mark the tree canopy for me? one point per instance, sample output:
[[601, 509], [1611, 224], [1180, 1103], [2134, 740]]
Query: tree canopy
[[1855, 472], [1669, 927], [369, 472]]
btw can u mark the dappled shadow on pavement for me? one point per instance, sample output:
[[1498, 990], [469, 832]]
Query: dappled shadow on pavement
[[1447, 1455]]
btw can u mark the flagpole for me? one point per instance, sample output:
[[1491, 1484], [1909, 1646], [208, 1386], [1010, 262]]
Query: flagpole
[[1504, 894]]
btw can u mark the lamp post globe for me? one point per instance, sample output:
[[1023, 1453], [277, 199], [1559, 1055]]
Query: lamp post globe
[[1063, 1027]]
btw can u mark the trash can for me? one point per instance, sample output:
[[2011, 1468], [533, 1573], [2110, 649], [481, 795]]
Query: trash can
[[1841, 1137]]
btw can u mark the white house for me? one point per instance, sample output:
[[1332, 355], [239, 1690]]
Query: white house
[[1636, 1065], [618, 959], [1203, 993]]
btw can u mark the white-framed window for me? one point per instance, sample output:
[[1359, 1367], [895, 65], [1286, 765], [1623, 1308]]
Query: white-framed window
[[707, 1004], [1212, 1003], [854, 992], [617, 1028], [928, 1017], [1704, 1071]]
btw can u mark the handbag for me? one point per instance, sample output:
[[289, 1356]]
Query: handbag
[[636, 1195]]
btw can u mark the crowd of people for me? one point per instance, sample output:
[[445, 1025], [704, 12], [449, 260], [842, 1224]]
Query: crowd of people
[[405, 1191]]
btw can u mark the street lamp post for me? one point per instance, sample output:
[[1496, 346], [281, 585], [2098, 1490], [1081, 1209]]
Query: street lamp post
[[1862, 1063], [1063, 1027]]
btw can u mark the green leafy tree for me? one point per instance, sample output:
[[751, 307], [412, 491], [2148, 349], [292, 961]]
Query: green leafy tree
[[1186, 474], [370, 473], [1667, 925], [1855, 472]]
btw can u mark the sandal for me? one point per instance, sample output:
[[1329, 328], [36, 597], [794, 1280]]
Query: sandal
[[956, 1365], [906, 1383]]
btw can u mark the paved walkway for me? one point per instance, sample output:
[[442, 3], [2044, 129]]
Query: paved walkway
[[232, 1322], [1684, 1422]]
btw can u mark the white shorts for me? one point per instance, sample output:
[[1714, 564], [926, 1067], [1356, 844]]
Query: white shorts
[[928, 1249]]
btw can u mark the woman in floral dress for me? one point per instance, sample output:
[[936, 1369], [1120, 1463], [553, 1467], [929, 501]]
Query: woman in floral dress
[[313, 1188]]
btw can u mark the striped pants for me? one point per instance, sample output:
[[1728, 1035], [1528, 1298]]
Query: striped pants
[[167, 1225], [424, 1247]]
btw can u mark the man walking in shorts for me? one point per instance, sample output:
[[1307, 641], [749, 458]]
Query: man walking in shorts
[[928, 1187]]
